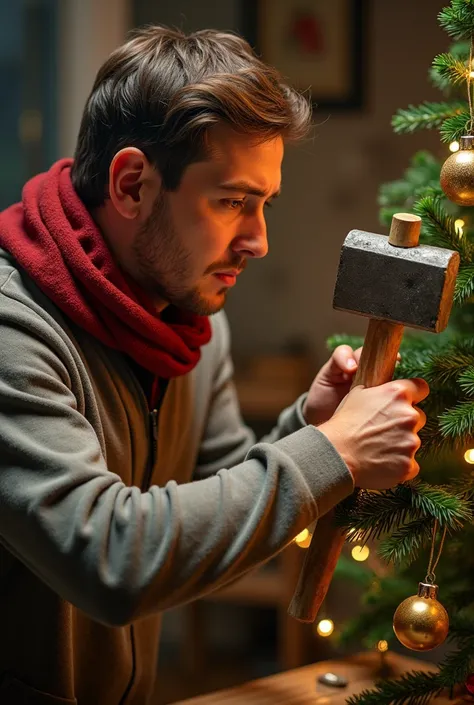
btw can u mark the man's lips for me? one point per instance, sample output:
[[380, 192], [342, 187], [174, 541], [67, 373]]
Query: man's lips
[[228, 278]]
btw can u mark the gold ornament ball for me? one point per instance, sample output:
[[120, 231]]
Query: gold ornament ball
[[421, 623], [457, 174]]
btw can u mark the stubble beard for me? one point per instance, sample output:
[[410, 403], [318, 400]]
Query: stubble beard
[[164, 265]]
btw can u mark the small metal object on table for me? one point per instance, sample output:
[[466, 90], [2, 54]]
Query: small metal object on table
[[333, 680]]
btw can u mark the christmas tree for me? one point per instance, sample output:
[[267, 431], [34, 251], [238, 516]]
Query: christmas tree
[[428, 520]]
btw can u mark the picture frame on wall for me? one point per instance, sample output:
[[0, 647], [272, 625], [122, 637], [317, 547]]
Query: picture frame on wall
[[317, 45]]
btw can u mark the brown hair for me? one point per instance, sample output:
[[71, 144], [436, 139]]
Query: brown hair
[[162, 90]]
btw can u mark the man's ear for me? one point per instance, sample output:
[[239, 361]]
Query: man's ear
[[132, 183]]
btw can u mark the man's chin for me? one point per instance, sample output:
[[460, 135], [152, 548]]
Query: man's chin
[[203, 305]]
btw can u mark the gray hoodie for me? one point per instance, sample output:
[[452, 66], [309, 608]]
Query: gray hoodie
[[104, 524]]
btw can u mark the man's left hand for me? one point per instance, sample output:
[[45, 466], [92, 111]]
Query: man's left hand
[[331, 385]]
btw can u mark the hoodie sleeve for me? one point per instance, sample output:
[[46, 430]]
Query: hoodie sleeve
[[115, 552], [227, 439]]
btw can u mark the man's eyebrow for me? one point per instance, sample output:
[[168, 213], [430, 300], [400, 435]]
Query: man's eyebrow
[[246, 187]]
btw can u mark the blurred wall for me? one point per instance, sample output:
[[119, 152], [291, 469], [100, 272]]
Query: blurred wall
[[89, 30], [330, 184]]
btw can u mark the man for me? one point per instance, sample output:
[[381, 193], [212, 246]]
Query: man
[[115, 385]]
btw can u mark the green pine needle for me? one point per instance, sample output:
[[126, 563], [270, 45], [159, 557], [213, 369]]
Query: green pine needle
[[404, 543], [372, 514], [453, 128], [466, 381], [413, 688], [464, 284], [426, 116], [445, 367], [457, 666], [451, 68], [439, 227], [458, 422], [458, 19]]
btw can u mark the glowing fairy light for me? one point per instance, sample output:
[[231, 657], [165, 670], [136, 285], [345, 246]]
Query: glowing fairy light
[[325, 627], [469, 456], [454, 146], [360, 553], [459, 226]]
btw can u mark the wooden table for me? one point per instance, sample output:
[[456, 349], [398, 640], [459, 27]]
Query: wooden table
[[300, 686]]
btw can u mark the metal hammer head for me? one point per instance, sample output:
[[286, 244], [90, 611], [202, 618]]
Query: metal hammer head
[[412, 285]]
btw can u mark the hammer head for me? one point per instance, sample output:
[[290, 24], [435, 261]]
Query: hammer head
[[413, 286]]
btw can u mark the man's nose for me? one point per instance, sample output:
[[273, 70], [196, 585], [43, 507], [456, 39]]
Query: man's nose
[[252, 242]]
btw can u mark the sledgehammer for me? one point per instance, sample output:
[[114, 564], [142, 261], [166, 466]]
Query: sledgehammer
[[396, 283]]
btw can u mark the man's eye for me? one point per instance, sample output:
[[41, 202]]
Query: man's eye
[[233, 203]]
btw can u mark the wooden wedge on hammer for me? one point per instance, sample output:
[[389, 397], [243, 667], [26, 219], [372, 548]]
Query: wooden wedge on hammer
[[396, 283]]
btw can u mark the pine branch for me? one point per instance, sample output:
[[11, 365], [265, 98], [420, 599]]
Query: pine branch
[[458, 422], [464, 284], [403, 545], [466, 381], [457, 666], [449, 509], [445, 367], [371, 514], [413, 688], [439, 227], [455, 127], [452, 69], [460, 51], [426, 116], [457, 19]]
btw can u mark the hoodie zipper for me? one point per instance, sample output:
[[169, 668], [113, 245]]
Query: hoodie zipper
[[153, 418], [153, 445]]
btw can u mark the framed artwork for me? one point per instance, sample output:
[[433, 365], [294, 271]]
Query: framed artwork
[[318, 45]]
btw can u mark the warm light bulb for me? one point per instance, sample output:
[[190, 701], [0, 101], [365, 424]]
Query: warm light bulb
[[360, 553], [382, 645], [454, 146], [303, 539], [469, 456], [458, 226], [325, 627]]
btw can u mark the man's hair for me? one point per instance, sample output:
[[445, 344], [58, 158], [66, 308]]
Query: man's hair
[[162, 90]]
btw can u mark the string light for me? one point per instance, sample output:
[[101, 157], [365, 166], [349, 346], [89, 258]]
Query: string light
[[360, 553], [325, 627], [382, 646], [469, 456], [458, 226], [454, 146], [303, 539]]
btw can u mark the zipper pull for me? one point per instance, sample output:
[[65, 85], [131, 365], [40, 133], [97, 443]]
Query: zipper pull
[[154, 423]]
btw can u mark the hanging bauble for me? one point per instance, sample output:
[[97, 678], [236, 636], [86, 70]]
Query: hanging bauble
[[421, 623], [457, 173]]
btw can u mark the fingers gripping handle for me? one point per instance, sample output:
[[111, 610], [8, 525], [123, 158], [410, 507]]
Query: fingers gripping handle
[[376, 366]]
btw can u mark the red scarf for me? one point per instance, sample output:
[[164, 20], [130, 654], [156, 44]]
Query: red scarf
[[54, 239]]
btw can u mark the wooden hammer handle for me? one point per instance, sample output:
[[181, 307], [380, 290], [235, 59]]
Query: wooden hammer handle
[[376, 366]]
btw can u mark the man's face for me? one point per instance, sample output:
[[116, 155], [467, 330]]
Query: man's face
[[197, 239]]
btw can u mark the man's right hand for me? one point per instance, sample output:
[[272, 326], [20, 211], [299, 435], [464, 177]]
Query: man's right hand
[[375, 430]]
